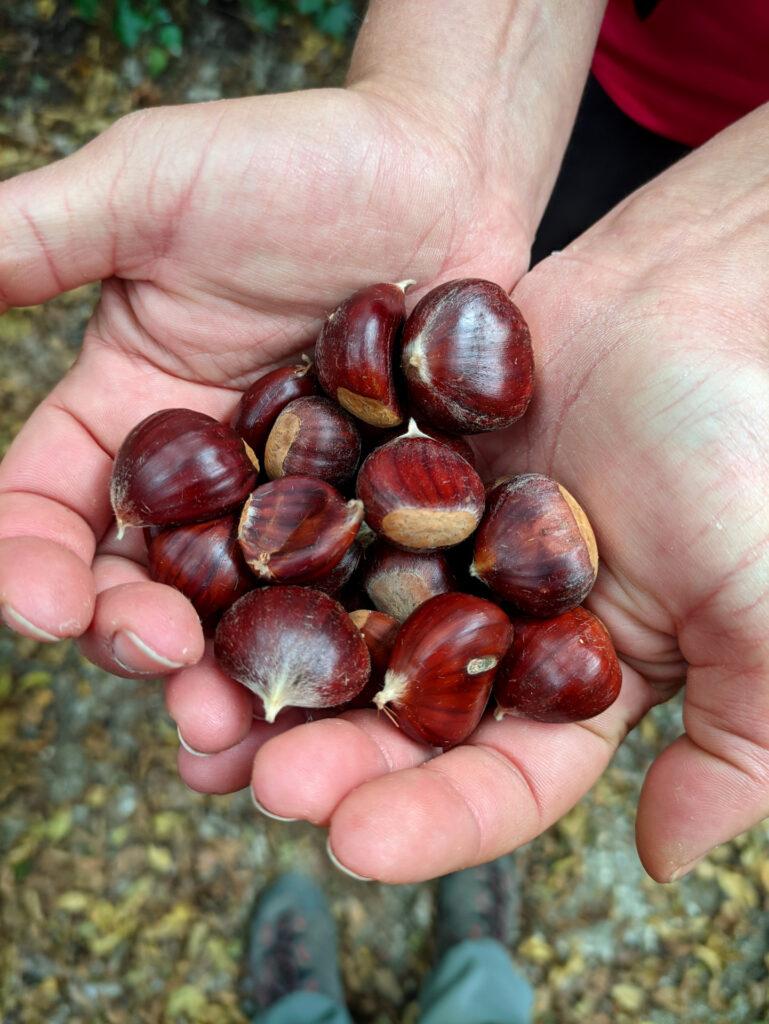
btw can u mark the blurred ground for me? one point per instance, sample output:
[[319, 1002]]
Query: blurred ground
[[122, 895]]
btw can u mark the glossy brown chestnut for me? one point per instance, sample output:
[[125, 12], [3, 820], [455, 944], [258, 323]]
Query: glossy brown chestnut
[[563, 669], [379, 632], [297, 529], [180, 466], [467, 358], [294, 647], [343, 571], [354, 353], [420, 494], [204, 562], [535, 546], [263, 402], [399, 581], [442, 667], [313, 437]]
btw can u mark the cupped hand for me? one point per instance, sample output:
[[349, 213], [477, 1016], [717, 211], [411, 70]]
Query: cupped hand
[[652, 335], [225, 232]]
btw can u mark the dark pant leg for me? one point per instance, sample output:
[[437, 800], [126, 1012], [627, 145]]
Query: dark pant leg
[[608, 157]]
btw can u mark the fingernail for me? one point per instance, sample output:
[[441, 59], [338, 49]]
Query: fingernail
[[19, 624], [132, 654], [684, 869], [265, 812], [187, 747], [340, 867]]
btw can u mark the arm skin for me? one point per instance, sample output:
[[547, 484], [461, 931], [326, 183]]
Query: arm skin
[[652, 334]]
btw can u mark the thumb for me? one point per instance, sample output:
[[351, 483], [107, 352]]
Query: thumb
[[59, 225]]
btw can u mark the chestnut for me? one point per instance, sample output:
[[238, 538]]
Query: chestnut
[[204, 562], [379, 632], [354, 353], [467, 358], [442, 667], [420, 494], [313, 437], [263, 402], [180, 466], [294, 647], [399, 581], [563, 669], [297, 529], [535, 546]]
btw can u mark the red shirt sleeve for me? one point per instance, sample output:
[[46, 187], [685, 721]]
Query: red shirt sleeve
[[687, 69]]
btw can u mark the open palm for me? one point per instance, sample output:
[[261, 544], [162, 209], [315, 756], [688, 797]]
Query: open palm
[[653, 408], [225, 233]]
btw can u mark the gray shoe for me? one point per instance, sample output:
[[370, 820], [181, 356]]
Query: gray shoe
[[291, 945], [479, 903]]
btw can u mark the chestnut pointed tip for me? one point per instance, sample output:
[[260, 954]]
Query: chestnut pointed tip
[[405, 285], [121, 529], [499, 713]]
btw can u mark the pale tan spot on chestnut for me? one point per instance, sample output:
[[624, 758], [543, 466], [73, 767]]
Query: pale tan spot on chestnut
[[282, 436], [421, 528], [251, 455], [583, 525], [370, 410]]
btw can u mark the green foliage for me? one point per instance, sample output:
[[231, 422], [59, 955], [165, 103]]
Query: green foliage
[[332, 17]]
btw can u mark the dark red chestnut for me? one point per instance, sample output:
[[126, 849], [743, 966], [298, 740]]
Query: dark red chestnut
[[294, 647], [313, 437], [204, 562], [297, 529], [420, 494], [354, 353], [263, 402], [399, 581], [563, 669], [535, 546], [179, 466], [467, 358], [442, 667], [379, 632]]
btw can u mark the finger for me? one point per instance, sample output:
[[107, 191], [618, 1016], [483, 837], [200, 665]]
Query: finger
[[61, 223], [211, 711], [307, 771], [712, 783], [230, 770], [509, 783]]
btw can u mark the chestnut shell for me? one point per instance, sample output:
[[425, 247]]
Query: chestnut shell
[[535, 546], [467, 358], [294, 647], [313, 437], [563, 669], [398, 581], [263, 402], [180, 466], [442, 667], [204, 562]]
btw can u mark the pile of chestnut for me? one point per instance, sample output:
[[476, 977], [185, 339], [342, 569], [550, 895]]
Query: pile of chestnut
[[475, 590]]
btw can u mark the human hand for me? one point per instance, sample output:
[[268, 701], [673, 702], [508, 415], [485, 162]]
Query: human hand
[[653, 408]]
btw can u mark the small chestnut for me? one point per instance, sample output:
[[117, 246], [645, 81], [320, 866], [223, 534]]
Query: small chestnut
[[313, 437], [535, 546], [467, 358], [442, 667], [180, 466], [204, 562], [379, 632], [263, 402], [297, 529], [420, 494], [563, 669], [294, 647], [354, 353], [399, 581]]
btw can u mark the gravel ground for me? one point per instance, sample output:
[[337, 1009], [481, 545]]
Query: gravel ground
[[122, 894]]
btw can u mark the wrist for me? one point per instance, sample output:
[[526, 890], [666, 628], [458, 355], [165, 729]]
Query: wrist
[[499, 81]]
